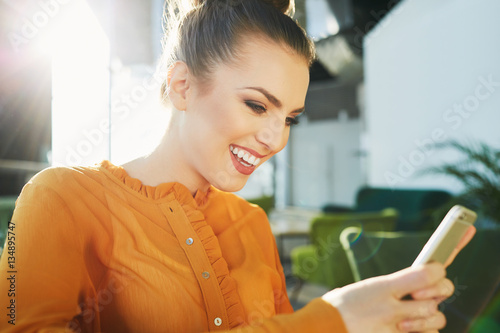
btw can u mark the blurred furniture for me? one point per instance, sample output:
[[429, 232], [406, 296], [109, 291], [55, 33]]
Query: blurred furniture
[[373, 253], [475, 305], [7, 204], [324, 262], [415, 206], [290, 223], [266, 202]]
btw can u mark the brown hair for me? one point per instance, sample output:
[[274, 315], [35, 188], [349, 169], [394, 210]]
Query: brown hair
[[204, 33]]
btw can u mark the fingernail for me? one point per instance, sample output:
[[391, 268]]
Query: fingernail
[[405, 325]]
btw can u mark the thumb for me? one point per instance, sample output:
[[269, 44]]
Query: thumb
[[411, 279]]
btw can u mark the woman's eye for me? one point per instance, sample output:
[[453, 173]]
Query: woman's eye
[[291, 121], [257, 108]]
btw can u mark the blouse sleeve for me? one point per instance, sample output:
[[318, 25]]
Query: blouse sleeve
[[42, 266]]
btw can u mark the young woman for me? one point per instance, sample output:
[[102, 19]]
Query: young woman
[[159, 244]]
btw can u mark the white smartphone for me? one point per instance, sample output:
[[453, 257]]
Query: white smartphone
[[447, 236]]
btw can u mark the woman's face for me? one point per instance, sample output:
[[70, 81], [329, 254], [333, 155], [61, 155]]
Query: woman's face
[[243, 117]]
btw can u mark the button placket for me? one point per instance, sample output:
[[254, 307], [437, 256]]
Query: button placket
[[196, 253]]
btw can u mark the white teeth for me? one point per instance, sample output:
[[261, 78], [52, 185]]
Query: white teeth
[[245, 156], [245, 164]]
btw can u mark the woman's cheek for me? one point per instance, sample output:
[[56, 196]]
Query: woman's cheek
[[239, 124]]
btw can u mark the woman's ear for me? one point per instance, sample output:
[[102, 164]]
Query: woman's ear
[[178, 81]]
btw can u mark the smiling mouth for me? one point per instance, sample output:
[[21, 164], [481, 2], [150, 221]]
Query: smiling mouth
[[244, 157], [243, 161]]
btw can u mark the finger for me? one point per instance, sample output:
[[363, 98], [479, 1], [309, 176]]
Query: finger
[[442, 290], [463, 242], [411, 279], [417, 309], [439, 300], [467, 237], [432, 323]]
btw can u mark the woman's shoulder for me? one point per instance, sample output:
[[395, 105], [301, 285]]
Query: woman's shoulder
[[65, 181], [238, 207], [236, 200], [58, 194], [58, 176]]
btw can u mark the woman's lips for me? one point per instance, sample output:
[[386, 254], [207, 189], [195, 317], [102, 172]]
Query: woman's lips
[[237, 162]]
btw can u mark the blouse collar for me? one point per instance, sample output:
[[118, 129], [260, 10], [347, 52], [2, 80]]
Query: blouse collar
[[160, 191]]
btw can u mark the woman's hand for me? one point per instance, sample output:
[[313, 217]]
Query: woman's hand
[[377, 305]]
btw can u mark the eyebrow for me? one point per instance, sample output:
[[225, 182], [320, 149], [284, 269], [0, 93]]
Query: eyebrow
[[271, 98]]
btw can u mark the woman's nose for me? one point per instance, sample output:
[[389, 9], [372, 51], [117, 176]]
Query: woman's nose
[[273, 134]]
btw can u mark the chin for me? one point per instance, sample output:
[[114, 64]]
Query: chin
[[228, 183], [229, 188]]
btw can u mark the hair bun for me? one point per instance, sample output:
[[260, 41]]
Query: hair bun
[[285, 6]]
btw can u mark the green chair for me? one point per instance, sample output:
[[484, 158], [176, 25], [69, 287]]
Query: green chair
[[415, 206], [475, 305], [266, 202], [374, 253], [324, 262], [7, 204]]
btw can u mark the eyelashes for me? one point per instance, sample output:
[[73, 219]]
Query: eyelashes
[[259, 109], [292, 121]]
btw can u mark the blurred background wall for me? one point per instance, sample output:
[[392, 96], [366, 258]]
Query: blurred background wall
[[431, 74]]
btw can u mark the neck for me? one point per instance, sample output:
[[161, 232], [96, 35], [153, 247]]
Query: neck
[[167, 163]]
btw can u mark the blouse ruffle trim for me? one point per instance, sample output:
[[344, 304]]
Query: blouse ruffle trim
[[193, 208], [160, 191], [227, 284]]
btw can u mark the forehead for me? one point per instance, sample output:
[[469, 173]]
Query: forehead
[[259, 49], [262, 62]]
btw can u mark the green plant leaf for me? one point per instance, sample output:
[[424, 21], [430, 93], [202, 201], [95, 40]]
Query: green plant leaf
[[478, 171]]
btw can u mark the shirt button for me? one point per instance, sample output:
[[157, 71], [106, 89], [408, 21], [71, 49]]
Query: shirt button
[[189, 241], [205, 275], [217, 321]]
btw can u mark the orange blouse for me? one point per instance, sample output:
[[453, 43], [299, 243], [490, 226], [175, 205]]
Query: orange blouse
[[95, 250]]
